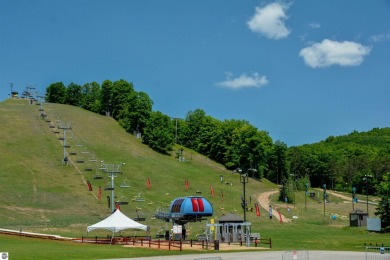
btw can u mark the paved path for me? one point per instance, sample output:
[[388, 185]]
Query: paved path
[[264, 201], [276, 255]]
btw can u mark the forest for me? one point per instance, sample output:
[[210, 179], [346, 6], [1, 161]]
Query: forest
[[359, 161]]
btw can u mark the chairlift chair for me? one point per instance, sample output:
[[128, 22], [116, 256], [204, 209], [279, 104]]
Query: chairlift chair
[[88, 168], [108, 186], [124, 184], [123, 201], [85, 151], [80, 160], [92, 159], [98, 176], [139, 198], [140, 215]]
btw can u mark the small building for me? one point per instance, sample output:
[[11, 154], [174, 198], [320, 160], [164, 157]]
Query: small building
[[358, 218], [230, 228]]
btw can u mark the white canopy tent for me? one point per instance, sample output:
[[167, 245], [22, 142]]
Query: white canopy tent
[[116, 222]]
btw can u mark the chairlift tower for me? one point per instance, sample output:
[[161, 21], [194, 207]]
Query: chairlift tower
[[65, 127], [29, 90], [112, 170], [11, 85], [41, 99]]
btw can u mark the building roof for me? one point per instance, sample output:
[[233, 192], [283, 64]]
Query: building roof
[[358, 212], [230, 217]]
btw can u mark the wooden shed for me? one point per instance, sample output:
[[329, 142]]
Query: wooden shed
[[358, 218]]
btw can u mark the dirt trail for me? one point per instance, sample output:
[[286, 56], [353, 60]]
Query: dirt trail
[[338, 195], [264, 201]]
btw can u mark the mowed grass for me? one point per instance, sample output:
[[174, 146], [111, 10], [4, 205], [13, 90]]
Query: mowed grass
[[39, 194]]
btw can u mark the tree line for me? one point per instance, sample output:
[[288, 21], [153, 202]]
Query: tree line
[[357, 160]]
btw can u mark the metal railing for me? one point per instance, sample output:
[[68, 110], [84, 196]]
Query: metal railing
[[377, 253]]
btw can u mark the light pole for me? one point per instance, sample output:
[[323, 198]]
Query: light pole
[[324, 186], [365, 179], [307, 190], [244, 181]]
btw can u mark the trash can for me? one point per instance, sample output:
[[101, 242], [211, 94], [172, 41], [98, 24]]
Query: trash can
[[216, 244]]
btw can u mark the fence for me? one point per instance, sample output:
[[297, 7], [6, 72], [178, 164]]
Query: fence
[[111, 240], [146, 241], [377, 253], [266, 241], [296, 255]]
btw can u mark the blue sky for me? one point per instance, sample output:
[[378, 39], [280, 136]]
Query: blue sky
[[300, 70]]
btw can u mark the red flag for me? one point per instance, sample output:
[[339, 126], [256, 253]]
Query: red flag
[[148, 183], [187, 185], [100, 193], [212, 191], [280, 217], [257, 210]]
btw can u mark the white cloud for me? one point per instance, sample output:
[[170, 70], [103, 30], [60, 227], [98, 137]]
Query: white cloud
[[328, 52], [315, 25], [244, 81], [381, 37], [269, 21]]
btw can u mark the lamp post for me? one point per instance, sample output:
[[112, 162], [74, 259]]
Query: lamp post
[[365, 179], [307, 190], [244, 181], [324, 186]]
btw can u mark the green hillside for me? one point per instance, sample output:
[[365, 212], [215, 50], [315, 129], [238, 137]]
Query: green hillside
[[38, 193]]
